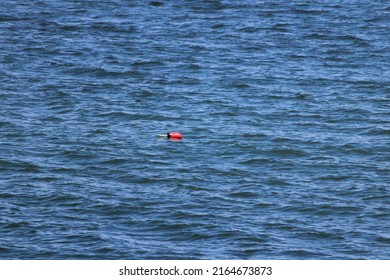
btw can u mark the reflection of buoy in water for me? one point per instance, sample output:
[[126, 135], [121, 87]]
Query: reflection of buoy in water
[[172, 135]]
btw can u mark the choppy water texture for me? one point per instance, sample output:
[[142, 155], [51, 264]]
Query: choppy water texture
[[284, 108]]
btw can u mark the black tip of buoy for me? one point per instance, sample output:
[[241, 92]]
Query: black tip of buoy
[[175, 135]]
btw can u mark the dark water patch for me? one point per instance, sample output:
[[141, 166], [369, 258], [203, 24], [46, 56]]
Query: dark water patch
[[303, 254], [149, 63], [249, 29], [156, 4], [322, 236], [377, 197], [16, 225], [116, 161], [278, 182], [218, 26], [8, 18], [383, 240], [263, 204], [334, 177], [377, 131], [324, 210], [71, 28], [255, 161], [19, 165], [243, 194], [286, 152], [207, 7], [4, 250], [114, 28]]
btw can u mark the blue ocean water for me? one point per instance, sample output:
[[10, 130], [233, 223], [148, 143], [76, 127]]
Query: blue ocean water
[[284, 108]]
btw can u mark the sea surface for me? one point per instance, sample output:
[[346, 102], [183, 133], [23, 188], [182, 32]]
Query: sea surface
[[284, 107]]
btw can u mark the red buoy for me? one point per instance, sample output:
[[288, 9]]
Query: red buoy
[[174, 135], [171, 135]]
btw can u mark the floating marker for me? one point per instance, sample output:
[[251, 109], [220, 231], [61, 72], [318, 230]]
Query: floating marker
[[172, 135], [175, 135]]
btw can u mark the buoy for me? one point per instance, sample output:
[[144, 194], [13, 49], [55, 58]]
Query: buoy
[[175, 135], [172, 135]]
